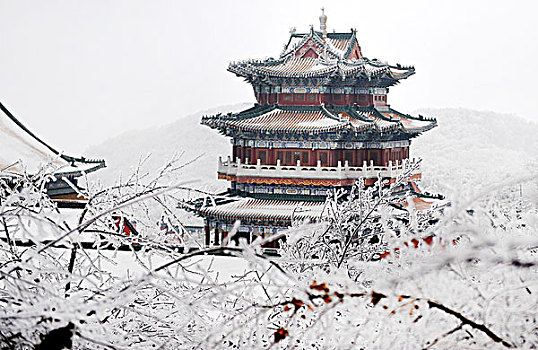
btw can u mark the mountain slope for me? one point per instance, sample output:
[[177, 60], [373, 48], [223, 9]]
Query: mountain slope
[[472, 149], [185, 138]]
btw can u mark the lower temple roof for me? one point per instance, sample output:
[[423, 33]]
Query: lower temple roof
[[263, 209], [20, 147], [251, 209]]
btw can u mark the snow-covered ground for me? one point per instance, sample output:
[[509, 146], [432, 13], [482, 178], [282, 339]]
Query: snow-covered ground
[[125, 265]]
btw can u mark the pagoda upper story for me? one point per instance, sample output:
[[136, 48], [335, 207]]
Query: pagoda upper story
[[321, 122], [321, 119], [321, 68]]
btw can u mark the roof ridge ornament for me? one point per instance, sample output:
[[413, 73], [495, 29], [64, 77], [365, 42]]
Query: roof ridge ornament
[[323, 23]]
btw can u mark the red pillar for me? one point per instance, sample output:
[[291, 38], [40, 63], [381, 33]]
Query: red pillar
[[207, 235], [216, 242]]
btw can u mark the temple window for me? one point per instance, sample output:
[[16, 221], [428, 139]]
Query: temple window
[[373, 156], [280, 156], [304, 159], [348, 156], [296, 157], [288, 157], [323, 157], [262, 156]]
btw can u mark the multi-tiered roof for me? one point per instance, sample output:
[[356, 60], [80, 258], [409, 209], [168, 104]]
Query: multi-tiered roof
[[310, 55], [321, 121], [343, 92]]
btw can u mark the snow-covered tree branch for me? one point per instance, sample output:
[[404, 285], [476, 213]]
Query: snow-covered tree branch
[[371, 273]]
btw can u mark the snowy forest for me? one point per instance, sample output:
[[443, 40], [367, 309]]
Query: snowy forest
[[365, 275]]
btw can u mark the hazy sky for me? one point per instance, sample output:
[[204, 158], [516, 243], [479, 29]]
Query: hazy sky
[[79, 72]]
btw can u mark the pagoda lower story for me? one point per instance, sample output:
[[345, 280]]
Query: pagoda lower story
[[320, 123], [259, 218]]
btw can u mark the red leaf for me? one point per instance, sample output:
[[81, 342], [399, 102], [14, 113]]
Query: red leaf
[[321, 287], [281, 334], [384, 255], [297, 303], [428, 240]]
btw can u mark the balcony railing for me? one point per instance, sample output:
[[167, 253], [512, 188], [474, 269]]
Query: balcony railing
[[339, 172]]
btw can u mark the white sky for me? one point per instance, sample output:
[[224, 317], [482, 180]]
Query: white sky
[[79, 72]]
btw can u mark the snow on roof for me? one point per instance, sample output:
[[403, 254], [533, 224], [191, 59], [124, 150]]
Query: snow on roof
[[262, 208], [20, 148], [408, 123], [17, 145], [332, 57], [319, 66], [316, 119], [383, 124], [297, 64], [289, 121], [338, 44]]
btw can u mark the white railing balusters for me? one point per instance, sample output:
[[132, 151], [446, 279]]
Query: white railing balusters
[[368, 170]]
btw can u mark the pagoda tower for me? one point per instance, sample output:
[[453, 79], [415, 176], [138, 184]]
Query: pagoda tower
[[321, 121]]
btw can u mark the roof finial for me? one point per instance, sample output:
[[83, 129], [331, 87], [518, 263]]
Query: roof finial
[[323, 23]]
